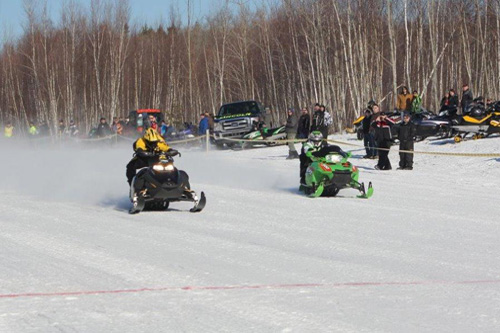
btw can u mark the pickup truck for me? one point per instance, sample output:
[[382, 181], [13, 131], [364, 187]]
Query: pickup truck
[[234, 120]]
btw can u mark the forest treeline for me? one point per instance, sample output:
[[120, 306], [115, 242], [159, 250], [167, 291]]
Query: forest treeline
[[95, 62]]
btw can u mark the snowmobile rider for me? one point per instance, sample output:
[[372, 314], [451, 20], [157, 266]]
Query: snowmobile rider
[[145, 148], [312, 147]]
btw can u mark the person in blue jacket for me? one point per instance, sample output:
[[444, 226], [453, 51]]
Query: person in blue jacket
[[203, 126]]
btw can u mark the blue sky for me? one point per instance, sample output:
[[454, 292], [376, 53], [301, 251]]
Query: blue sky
[[12, 16]]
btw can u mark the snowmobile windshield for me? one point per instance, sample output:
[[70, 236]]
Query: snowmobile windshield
[[333, 158], [240, 109]]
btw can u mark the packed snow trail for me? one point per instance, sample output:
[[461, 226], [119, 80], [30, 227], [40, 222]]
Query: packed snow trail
[[420, 255]]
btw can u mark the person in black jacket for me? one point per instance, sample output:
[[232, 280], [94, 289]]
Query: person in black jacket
[[318, 120], [304, 125], [291, 130], [466, 97], [383, 138], [406, 135], [368, 138], [103, 128], [453, 99]]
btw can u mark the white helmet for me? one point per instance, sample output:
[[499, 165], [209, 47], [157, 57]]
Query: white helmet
[[316, 138]]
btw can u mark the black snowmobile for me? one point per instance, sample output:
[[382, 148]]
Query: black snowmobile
[[155, 187], [430, 125], [479, 119]]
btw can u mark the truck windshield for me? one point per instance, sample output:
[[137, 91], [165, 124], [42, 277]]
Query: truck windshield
[[239, 109]]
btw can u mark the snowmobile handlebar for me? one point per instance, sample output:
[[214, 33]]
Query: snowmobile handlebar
[[172, 152], [141, 153], [330, 149]]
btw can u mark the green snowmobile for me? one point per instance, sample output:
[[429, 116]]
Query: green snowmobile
[[329, 172], [263, 133]]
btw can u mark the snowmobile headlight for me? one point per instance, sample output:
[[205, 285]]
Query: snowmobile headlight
[[158, 167], [334, 158], [169, 167]]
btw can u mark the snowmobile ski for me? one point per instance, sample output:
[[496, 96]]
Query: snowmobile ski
[[199, 204], [138, 204], [365, 194]]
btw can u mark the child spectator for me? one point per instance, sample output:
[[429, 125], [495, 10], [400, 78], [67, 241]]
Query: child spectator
[[406, 135]]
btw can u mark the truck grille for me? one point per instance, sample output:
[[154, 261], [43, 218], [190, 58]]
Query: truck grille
[[234, 125]]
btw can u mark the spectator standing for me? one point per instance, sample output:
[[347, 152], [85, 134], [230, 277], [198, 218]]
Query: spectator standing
[[368, 139], [406, 136], [163, 128], [152, 122], [291, 130], [61, 128], [8, 130], [304, 125], [445, 101], [453, 99], [466, 97], [375, 113], [404, 99], [318, 120], [416, 103], [73, 129], [203, 125], [383, 138], [327, 121], [114, 124], [119, 128], [32, 131], [211, 121], [267, 117], [103, 128]]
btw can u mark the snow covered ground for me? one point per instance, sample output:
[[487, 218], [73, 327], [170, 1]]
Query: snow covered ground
[[422, 255]]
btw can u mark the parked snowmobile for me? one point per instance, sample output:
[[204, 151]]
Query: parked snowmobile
[[480, 121], [427, 124], [330, 172], [263, 133], [155, 187]]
